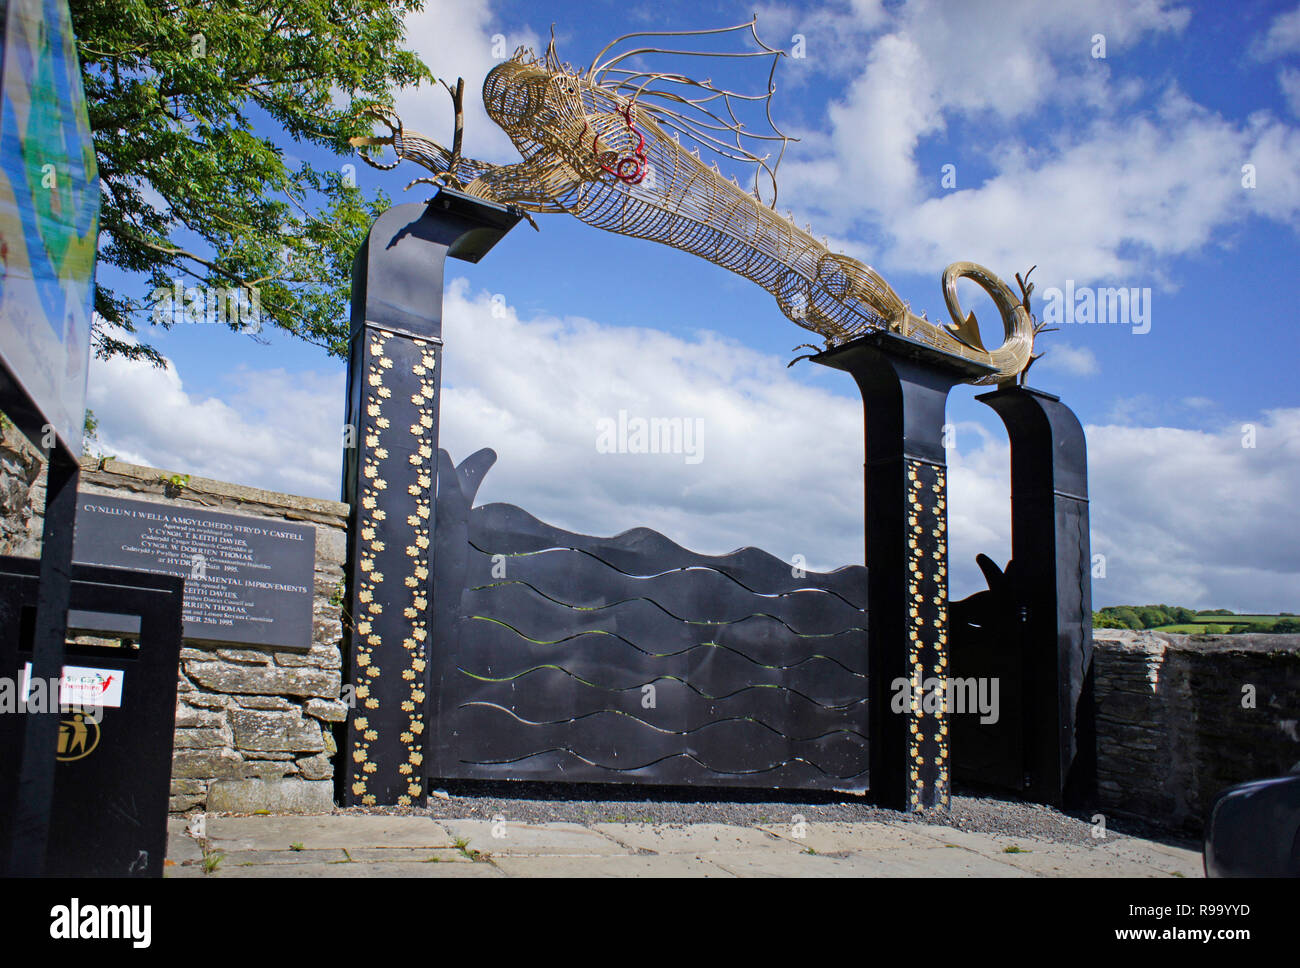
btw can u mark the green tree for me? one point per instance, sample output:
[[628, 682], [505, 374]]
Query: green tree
[[1104, 620], [1126, 616], [190, 192], [1152, 616]]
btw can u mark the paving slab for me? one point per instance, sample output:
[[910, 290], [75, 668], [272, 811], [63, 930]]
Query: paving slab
[[246, 858], [378, 846], [830, 838], [397, 869], [609, 865], [275, 833], [903, 862], [1173, 860], [1112, 856], [181, 846], [699, 838], [543, 840], [412, 855]]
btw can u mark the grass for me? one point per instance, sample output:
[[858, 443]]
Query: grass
[[1236, 619], [212, 860], [1013, 849], [1220, 624], [461, 844], [296, 845]]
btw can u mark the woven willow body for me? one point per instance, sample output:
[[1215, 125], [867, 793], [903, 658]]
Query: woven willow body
[[595, 149]]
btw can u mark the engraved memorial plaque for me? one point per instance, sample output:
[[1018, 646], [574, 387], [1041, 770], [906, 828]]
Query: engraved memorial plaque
[[248, 580]]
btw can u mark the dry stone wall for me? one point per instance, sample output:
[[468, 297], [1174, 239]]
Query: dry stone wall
[[21, 486], [1180, 718]]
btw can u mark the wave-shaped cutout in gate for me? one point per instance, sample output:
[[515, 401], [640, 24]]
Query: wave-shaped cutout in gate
[[640, 685], [660, 729], [847, 569], [577, 637]]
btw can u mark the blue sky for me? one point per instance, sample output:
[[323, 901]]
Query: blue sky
[[1123, 170]]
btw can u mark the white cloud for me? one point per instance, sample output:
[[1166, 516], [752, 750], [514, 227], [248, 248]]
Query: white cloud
[[1276, 157], [1073, 175], [992, 62], [455, 39], [833, 37], [1077, 360], [1183, 516], [1283, 36], [1289, 80], [535, 390], [1114, 201], [273, 429], [1196, 518]]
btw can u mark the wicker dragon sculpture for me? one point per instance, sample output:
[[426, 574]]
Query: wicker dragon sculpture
[[605, 146]]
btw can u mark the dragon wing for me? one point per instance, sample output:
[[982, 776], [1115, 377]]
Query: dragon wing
[[711, 118]]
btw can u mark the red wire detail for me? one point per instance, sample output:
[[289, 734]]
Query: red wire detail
[[630, 168]]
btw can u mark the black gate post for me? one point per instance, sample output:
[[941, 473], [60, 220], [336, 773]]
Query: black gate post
[[389, 467], [1050, 549], [904, 387], [34, 804]]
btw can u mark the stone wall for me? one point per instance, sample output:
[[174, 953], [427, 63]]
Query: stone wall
[[21, 486], [253, 725], [1177, 723]]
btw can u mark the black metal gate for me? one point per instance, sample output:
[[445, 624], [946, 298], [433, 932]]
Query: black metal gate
[[559, 656], [989, 645]]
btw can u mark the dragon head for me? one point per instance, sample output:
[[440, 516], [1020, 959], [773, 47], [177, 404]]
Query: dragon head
[[548, 109]]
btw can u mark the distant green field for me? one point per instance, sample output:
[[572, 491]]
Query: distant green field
[[1166, 618], [1235, 619]]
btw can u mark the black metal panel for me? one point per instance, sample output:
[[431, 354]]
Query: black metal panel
[[988, 642], [805, 612], [109, 805], [389, 538], [560, 656], [1050, 548]]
